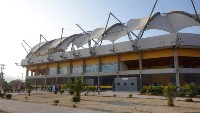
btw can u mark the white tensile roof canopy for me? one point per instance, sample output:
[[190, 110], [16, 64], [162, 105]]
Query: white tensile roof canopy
[[171, 22]]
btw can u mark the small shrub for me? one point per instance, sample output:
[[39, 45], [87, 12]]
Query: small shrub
[[181, 93], [158, 90], [188, 100], [170, 93], [8, 96], [150, 90], [76, 99], [56, 102], [143, 91], [130, 95], [71, 92], [114, 95], [191, 90], [61, 91]]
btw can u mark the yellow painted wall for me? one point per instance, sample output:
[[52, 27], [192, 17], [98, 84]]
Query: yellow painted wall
[[188, 52], [33, 67], [53, 65], [92, 61], [42, 66], [129, 56], [107, 59], [77, 62], [62, 64], [157, 53]]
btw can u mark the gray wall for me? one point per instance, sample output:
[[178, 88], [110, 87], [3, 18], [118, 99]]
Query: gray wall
[[126, 84]]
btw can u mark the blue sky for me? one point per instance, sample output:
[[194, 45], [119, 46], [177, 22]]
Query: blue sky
[[27, 19]]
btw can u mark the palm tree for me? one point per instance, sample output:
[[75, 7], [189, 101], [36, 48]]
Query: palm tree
[[170, 93], [28, 87], [192, 91], [77, 86]]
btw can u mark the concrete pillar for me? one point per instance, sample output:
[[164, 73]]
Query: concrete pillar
[[70, 67], [47, 69], [140, 67], [84, 69], [58, 68], [37, 70], [176, 69], [118, 65], [31, 73], [100, 70], [27, 72]]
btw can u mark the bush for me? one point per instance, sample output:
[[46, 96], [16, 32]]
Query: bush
[[61, 91], [152, 90], [143, 91], [130, 95], [191, 90], [181, 93], [56, 102], [71, 92], [158, 90], [8, 96], [76, 99]]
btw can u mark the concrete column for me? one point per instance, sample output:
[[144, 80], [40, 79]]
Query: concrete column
[[27, 72], [31, 73], [118, 62], [47, 69], [140, 67], [70, 66], [176, 69], [84, 69], [84, 66], [37, 70], [100, 70], [58, 68], [118, 65]]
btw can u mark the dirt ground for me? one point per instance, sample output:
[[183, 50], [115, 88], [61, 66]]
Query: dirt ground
[[113, 104]]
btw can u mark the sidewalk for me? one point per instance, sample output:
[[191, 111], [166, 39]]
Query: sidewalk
[[12, 106]]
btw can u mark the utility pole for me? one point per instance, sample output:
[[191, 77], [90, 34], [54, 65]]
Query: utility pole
[[2, 67]]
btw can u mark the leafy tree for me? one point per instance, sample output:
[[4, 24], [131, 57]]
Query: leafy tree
[[170, 93], [28, 88], [191, 91], [77, 86]]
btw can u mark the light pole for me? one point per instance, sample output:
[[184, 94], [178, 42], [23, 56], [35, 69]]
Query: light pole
[[22, 77], [18, 64]]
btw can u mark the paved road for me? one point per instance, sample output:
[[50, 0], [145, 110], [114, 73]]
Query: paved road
[[24, 107]]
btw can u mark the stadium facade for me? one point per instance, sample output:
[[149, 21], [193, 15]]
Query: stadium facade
[[157, 60]]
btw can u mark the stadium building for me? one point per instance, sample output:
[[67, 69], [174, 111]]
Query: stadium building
[[129, 65]]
